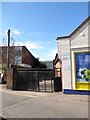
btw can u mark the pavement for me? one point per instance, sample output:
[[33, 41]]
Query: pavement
[[29, 104], [23, 93], [54, 95]]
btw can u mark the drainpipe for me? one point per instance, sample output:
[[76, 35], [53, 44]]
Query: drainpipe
[[71, 64]]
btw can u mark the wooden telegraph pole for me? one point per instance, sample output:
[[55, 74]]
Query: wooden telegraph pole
[[8, 51]]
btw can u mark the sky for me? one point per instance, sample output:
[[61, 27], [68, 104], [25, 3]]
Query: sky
[[36, 25]]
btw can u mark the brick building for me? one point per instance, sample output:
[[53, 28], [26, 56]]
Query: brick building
[[19, 55], [57, 66]]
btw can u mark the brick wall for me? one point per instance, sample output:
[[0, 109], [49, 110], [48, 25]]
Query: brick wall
[[9, 78], [58, 69], [28, 58], [11, 55], [19, 55]]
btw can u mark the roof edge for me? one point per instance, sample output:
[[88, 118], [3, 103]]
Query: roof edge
[[63, 37], [77, 29]]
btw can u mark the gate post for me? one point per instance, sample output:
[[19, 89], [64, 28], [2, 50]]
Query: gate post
[[45, 83], [38, 81], [9, 78]]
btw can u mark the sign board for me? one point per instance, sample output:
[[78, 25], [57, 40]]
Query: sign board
[[64, 57]]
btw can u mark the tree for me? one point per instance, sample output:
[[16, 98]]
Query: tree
[[4, 71]]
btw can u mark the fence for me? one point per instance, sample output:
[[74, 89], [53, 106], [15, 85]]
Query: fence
[[33, 79]]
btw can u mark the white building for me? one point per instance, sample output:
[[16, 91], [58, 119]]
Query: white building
[[74, 51]]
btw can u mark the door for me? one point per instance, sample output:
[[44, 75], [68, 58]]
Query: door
[[57, 80]]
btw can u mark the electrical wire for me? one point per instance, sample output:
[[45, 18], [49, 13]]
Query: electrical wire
[[25, 44]]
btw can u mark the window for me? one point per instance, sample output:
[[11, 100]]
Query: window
[[83, 67]]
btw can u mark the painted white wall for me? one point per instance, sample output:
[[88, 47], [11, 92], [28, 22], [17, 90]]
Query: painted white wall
[[66, 49], [79, 43], [64, 54], [80, 39]]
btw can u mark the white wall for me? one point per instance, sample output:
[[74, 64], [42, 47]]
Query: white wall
[[66, 49], [80, 39], [79, 43], [64, 54]]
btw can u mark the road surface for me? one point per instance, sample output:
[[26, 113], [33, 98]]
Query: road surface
[[39, 105]]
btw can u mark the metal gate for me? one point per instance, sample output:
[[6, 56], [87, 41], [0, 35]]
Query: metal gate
[[33, 79]]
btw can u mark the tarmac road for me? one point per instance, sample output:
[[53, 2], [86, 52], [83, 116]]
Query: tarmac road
[[26, 104]]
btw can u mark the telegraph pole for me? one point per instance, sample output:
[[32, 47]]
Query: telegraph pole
[[8, 51]]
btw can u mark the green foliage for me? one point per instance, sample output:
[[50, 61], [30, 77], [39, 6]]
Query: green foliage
[[4, 70]]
